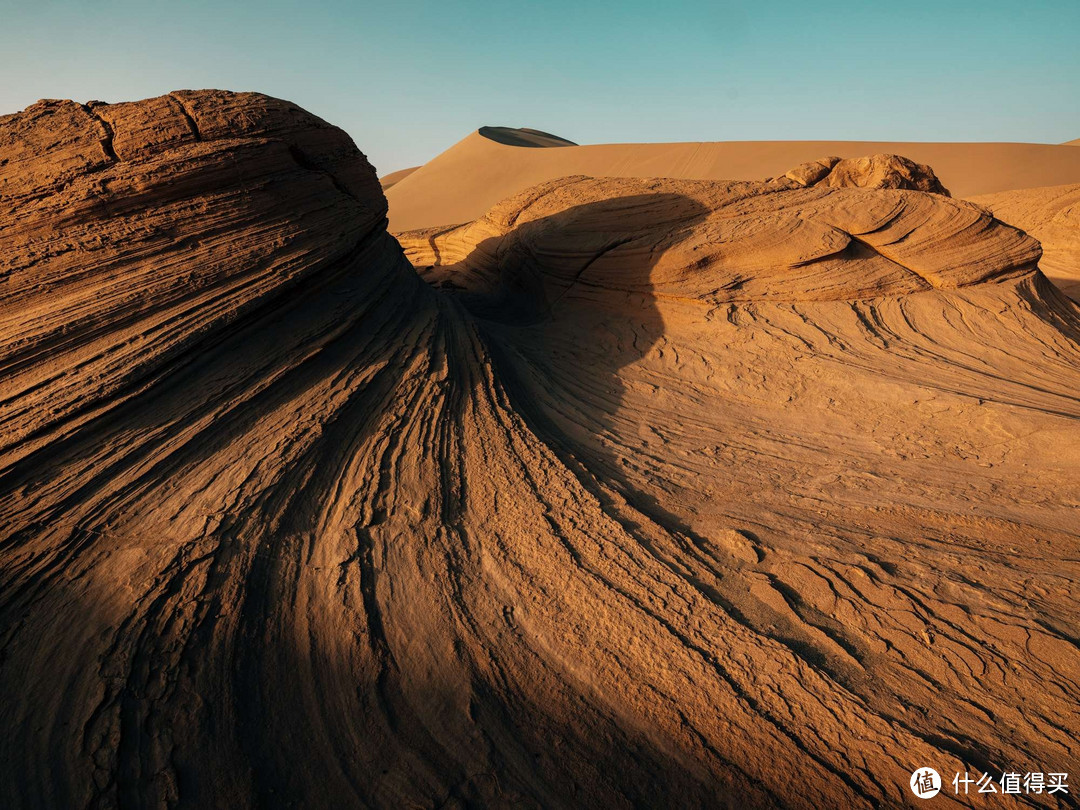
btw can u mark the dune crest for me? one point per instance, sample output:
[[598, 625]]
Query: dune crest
[[632, 493], [523, 136]]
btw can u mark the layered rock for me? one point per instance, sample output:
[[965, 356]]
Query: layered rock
[[725, 242], [875, 171], [1051, 215], [657, 494], [134, 232]]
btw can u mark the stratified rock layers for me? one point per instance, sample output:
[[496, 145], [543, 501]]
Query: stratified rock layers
[[638, 493], [1051, 215], [876, 171]]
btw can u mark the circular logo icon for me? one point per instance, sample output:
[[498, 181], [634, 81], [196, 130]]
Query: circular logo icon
[[925, 783]]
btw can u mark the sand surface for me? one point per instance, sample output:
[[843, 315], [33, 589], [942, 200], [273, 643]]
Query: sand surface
[[460, 184], [628, 493], [388, 180]]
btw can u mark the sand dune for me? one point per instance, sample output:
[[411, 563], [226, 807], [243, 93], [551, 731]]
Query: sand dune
[[1051, 215], [464, 181], [388, 180], [505, 135], [633, 493]]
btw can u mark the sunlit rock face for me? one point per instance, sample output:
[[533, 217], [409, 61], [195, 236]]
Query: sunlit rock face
[[875, 171], [629, 493]]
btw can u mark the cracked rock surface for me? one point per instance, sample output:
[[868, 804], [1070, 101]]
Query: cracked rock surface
[[630, 493]]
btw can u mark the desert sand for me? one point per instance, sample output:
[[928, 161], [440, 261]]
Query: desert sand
[[470, 177], [387, 180], [620, 493]]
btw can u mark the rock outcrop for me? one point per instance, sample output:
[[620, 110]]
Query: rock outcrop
[[812, 172], [726, 242], [633, 493], [133, 233], [876, 171], [1051, 215]]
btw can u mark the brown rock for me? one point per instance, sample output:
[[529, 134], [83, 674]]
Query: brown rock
[[884, 171], [1051, 214], [808, 174], [659, 494], [723, 242]]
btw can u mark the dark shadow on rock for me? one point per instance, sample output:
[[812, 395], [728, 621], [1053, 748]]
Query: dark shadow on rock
[[552, 325], [191, 658]]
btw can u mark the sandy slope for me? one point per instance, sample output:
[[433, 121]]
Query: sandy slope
[[388, 180], [506, 135], [1051, 215], [476, 173], [636, 494]]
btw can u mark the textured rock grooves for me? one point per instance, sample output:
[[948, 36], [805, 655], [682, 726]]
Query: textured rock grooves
[[877, 171], [1052, 215], [656, 493]]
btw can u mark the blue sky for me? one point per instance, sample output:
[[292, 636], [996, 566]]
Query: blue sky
[[407, 78]]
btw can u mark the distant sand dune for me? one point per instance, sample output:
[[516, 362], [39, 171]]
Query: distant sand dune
[[468, 178], [387, 180]]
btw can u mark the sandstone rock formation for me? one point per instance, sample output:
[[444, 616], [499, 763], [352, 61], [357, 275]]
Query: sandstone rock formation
[[721, 243], [1052, 215], [876, 171], [812, 172], [637, 493]]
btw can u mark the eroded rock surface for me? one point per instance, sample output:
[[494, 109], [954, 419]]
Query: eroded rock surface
[[1052, 215], [725, 242], [875, 171], [656, 494]]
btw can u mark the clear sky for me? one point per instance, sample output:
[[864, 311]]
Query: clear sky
[[408, 78]]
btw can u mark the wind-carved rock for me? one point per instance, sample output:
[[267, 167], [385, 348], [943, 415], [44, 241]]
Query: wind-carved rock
[[876, 171], [633, 493]]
